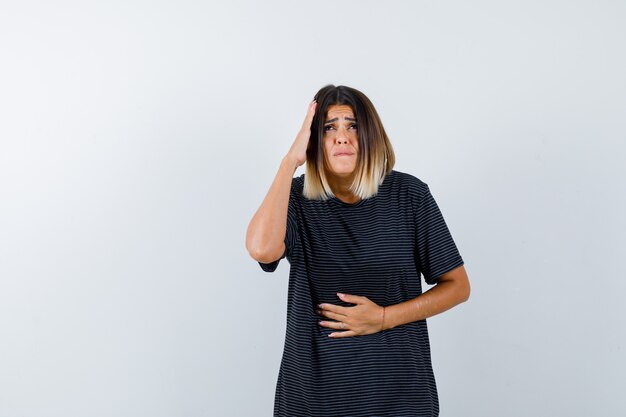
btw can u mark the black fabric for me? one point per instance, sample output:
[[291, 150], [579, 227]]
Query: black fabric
[[376, 248]]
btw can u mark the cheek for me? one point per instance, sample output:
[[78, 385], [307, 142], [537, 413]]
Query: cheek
[[328, 145], [355, 143]]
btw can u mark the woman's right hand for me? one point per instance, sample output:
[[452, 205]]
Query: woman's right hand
[[297, 152]]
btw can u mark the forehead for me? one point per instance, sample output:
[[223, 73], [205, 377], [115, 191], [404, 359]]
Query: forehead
[[339, 110]]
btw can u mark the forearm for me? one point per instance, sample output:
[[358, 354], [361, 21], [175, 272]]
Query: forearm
[[441, 297], [267, 229]]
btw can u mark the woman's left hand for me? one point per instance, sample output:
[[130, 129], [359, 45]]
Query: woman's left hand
[[364, 318]]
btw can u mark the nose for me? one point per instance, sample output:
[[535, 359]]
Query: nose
[[341, 137]]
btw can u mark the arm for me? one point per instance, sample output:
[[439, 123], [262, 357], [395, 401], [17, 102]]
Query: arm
[[367, 317], [452, 288], [265, 237]]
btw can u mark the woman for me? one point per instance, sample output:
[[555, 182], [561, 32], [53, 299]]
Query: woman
[[357, 235]]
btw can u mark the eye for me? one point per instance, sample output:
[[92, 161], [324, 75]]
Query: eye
[[353, 125], [326, 127]]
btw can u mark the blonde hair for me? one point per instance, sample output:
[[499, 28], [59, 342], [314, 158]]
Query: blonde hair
[[375, 158]]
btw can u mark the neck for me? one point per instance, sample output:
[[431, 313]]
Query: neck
[[341, 185]]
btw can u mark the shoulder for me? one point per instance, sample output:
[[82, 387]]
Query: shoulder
[[411, 189], [297, 183], [409, 183]]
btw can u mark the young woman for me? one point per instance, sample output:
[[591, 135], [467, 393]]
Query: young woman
[[357, 235]]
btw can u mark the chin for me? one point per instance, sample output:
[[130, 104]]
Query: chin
[[343, 171], [341, 168]]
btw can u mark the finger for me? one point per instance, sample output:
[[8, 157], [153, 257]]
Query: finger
[[339, 335], [349, 298], [332, 315], [334, 309], [309, 115], [332, 324]]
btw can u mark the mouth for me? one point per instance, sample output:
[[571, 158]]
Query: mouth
[[344, 154]]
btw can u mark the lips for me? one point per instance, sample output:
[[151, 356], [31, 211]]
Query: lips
[[343, 154]]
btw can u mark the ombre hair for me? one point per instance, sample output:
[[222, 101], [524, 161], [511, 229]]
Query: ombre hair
[[375, 158]]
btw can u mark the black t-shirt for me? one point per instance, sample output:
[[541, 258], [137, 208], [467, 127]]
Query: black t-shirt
[[375, 248]]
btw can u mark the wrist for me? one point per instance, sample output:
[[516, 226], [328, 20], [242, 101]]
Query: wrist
[[389, 320], [290, 162], [382, 323]]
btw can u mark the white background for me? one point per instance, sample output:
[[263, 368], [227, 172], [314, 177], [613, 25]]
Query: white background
[[138, 138]]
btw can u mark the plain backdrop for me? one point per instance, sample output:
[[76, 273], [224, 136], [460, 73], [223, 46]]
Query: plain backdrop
[[138, 138]]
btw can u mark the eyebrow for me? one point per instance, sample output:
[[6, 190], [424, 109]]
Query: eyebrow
[[335, 119]]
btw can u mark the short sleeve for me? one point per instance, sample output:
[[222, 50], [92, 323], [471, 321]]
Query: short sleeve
[[291, 234], [436, 252]]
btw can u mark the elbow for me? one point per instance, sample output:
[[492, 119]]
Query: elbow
[[260, 256], [256, 252], [254, 247], [461, 290], [465, 291], [458, 284], [463, 286], [263, 244], [261, 253]]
